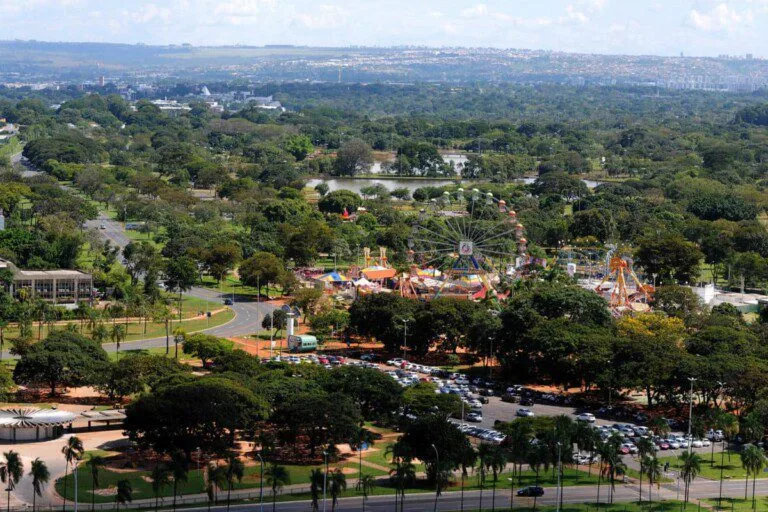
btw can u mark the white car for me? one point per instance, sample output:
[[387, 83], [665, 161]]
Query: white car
[[586, 416], [696, 443], [673, 444], [524, 413], [706, 442]]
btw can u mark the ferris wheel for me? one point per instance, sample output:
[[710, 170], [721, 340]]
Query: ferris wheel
[[467, 243]]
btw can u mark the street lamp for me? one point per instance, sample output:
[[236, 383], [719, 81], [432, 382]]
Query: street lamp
[[559, 473], [511, 493], [690, 413], [722, 457], [405, 336], [437, 475], [200, 476], [261, 482]]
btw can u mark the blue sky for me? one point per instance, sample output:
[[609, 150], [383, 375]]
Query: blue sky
[[661, 27]]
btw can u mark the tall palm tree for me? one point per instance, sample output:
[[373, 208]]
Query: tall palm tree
[[535, 457], [11, 472], [117, 335], [467, 461], [40, 477], [367, 484], [403, 470], [277, 477], [72, 451], [180, 471], [99, 333], [613, 465], [338, 484], [217, 479], [124, 493], [163, 313], [161, 478], [235, 470], [497, 461], [483, 454], [753, 460], [654, 471], [645, 448], [316, 477], [689, 469], [96, 463]]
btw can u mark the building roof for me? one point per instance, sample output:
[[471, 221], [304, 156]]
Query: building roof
[[31, 417], [50, 274]]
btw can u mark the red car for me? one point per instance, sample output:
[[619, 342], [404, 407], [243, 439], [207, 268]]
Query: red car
[[322, 360], [663, 445]]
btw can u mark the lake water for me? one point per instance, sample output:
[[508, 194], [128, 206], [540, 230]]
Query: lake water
[[391, 184]]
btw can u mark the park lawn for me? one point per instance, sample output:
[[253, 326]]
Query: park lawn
[[731, 469], [232, 284], [151, 237], [739, 504]]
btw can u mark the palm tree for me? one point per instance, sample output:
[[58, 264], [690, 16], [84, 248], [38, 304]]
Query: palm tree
[[97, 462], [217, 479], [467, 461], [179, 470], [316, 477], [163, 314], [689, 470], [117, 335], [536, 456], [124, 493], [403, 470], [753, 460], [161, 478], [483, 454], [11, 472], [235, 470], [612, 464], [496, 463], [277, 476], [338, 485], [40, 476], [645, 448], [99, 333], [72, 451], [654, 471], [367, 483]]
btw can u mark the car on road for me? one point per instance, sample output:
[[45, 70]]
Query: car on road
[[533, 490], [102, 226], [586, 416], [526, 400], [475, 417], [697, 443], [227, 302], [524, 413]]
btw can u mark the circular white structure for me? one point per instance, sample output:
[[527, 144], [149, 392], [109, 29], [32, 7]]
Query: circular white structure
[[32, 424]]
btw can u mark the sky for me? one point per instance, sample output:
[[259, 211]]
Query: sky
[[658, 27]]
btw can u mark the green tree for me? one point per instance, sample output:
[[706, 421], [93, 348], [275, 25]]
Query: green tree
[[753, 461], [261, 269], [179, 467], [367, 485], [73, 452], [690, 467], [40, 477], [353, 157], [671, 258], [11, 472], [117, 335], [337, 485], [124, 493], [206, 346], [276, 477], [235, 470], [161, 478], [316, 480], [95, 463], [180, 274], [340, 200]]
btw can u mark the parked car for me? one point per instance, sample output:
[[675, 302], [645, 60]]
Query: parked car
[[533, 490], [697, 443], [475, 417], [586, 416], [527, 401], [524, 413]]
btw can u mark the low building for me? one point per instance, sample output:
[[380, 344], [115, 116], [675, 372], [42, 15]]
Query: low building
[[31, 424], [56, 286]]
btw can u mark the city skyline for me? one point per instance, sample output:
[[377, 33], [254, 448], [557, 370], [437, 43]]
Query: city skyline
[[692, 27]]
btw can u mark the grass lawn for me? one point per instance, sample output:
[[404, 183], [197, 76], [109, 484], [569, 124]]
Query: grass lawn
[[232, 284], [731, 469], [739, 504], [137, 236], [10, 147]]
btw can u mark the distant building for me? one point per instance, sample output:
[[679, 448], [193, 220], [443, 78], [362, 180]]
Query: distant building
[[56, 286], [267, 102]]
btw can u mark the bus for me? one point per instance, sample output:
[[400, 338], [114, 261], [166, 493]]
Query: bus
[[302, 343]]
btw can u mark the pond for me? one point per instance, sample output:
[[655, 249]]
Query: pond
[[355, 184]]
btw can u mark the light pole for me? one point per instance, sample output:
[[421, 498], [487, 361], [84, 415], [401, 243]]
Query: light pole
[[722, 459], [261, 483], [74, 470], [690, 413], [511, 493], [271, 332], [405, 336], [437, 475], [325, 478], [610, 384]]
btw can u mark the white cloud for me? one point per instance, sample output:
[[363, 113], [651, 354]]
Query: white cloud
[[243, 8], [477, 11], [151, 12], [720, 17], [328, 16], [573, 14]]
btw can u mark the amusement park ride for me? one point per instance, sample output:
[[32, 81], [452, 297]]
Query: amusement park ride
[[621, 298], [462, 247]]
